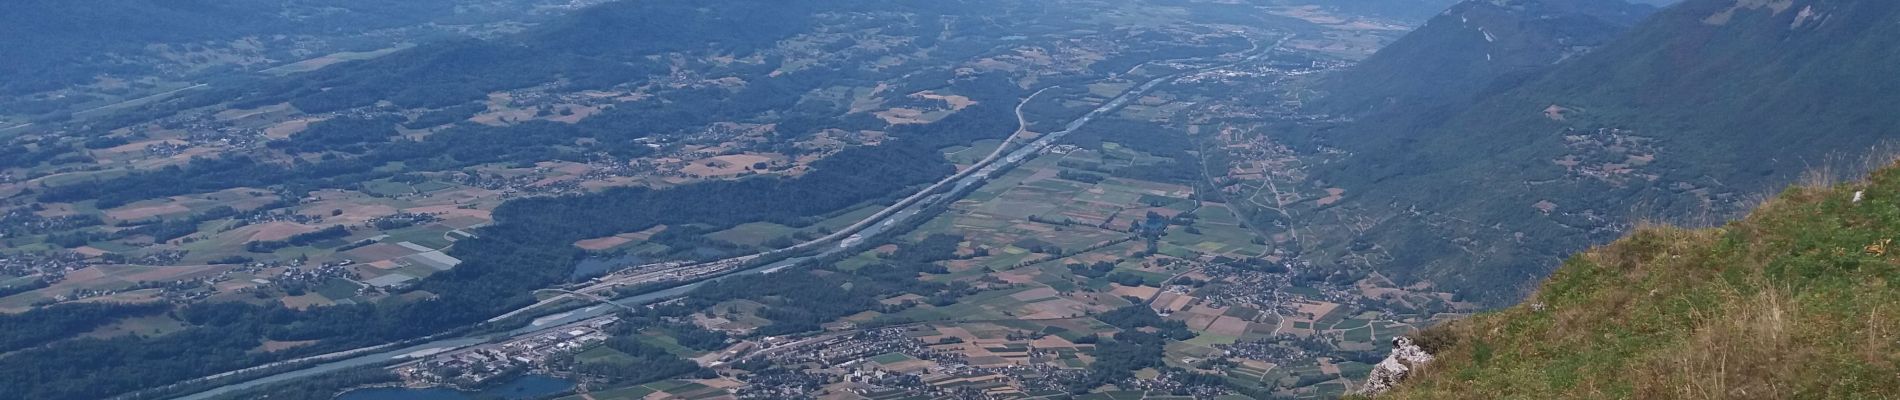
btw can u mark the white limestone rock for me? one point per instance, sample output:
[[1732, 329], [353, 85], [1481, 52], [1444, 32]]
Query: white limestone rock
[[1405, 357]]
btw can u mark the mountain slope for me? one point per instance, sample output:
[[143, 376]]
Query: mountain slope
[[1474, 44], [1792, 302], [50, 44], [1702, 102]]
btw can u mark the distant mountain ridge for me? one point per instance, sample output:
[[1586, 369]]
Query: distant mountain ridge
[[1475, 44], [1684, 115]]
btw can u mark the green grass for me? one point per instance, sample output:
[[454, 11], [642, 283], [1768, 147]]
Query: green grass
[[1354, 369], [1245, 313], [17, 280], [115, 247], [1302, 290], [429, 236], [387, 188], [1205, 339], [603, 355], [891, 358], [1361, 334], [626, 393], [973, 153], [752, 234], [1351, 324], [682, 387], [667, 342], [75, 177], [1331, 318], [1147, 278], [417, 270], [859, 261], [1796, 295], [338, 289], [431, 186]]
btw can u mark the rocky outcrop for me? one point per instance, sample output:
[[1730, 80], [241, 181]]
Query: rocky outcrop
[[1406, 356]]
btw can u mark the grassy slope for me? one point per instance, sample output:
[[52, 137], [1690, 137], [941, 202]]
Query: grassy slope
[[1735, 108], [1792, 302]]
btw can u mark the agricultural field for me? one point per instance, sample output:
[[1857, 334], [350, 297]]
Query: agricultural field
[[1030, 244], [328, 247]]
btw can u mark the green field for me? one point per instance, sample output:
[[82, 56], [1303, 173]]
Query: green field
[[385, 187], [859, 261], [1351, 324], [627, 393], [1214, 239], [667, 342], [973, 153], [428, 236], [1205, 339], [603, 355], [338, 289], [983, 305], [752, 234], [848, 218], [891, 358], [1361, 334]]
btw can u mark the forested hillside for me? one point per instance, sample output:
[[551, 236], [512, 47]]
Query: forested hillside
[[1794, 301], [1472, 49], [1685, 116]]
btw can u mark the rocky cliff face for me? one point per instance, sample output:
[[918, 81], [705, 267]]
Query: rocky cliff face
[[1406, 356]]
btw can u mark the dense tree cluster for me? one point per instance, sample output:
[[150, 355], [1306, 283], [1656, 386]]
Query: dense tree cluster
[[1096, 270], [798, 301], [924, 254], [43, 325], [647, 363], [27, 156], [1116, 360], [321, 387], [1138, 316], [164, 230], [694, 337], [345, 134]]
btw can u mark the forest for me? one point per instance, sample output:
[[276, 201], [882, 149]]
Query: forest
[[646, 363], [44, 325], [1134, 348], [798, 301]]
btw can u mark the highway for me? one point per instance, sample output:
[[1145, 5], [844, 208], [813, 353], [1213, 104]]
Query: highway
[[1000, 160]]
